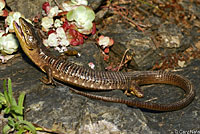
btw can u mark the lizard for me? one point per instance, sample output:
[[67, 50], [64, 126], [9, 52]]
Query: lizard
[[89, 79]]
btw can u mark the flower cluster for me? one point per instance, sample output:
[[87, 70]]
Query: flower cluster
[[57, 39], [47, 23], [105, 43], [70, 5], [13, 16], [69, 24], [50, 12], [83, 17], [75, 19], [8, 43]]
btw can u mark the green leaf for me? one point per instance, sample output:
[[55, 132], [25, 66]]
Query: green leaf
[[80, 9], [6, 94], [21, 131], [70, 15], [79, 13], [20, 117], [2, 99], [12, 100], [17, 125], [7, 98], [10, 90], [17, 110], [11, 122], [73, 1], [88, 25], [6, 128], [1, 95], [7, 110], [21, 101], [90, 14], [28, 126]]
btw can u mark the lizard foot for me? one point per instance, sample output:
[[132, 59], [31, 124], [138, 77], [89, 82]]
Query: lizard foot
[[48, 81], [134, 90]]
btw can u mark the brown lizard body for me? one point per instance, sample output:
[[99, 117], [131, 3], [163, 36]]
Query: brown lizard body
[[79, 76]]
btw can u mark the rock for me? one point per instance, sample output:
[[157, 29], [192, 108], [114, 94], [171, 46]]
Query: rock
[[58, 107], [28, 8], [95, 4], [51, 106], [33, 8], [80, 114], [171, 122]]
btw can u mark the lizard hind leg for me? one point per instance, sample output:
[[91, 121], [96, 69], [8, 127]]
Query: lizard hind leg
[[134, 89]]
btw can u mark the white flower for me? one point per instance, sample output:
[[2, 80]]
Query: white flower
[[91, 65], [52, 40], [58, 40], [5, 58], [68, 6], [61, 37], [57, 23], [64, 42], [45, 42], [1, 34], [105, 41], [80, 2], [13, 16], [2, 4], [83, 17], [53, 11], [60, 32], [9, 44], [47, 22], [61, 49]]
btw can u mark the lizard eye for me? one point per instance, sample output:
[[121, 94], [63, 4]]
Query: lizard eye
[[27, 32]]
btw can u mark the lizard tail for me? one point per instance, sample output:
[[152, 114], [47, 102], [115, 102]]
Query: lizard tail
[[149, 77]]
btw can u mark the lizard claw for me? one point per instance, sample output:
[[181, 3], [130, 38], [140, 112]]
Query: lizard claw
[[47, 81]]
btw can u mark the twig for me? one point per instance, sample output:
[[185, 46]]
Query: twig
[[120, 10], [43, 129], [59, 5], [152, 99], [121, 64]]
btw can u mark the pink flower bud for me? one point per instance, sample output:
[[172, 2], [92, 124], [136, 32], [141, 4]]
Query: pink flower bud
[[46, 7]]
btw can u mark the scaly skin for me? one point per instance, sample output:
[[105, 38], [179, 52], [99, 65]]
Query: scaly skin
[[78, 76]]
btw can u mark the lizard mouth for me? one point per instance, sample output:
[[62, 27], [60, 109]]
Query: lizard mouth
[[18, 28]]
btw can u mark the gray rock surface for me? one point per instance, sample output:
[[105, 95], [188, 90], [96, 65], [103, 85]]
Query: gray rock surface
[[58, 107], [51, 106], [32, 8]]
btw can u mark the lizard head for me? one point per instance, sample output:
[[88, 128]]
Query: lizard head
[[27, 35]]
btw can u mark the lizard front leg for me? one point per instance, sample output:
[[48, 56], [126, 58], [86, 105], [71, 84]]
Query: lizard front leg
[[49, 78]]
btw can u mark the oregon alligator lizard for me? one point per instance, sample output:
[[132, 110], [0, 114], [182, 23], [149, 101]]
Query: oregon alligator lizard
[[75, 75]]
